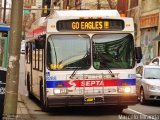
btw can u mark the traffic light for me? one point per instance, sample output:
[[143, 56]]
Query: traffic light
[[46, 7]]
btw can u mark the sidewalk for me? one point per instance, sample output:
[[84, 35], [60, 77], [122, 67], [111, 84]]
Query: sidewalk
[[22, 110]]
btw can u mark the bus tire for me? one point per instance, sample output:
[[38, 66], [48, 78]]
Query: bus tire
[[120, 108], [41, 90], [43, 104], [45, 108], [28, 86]]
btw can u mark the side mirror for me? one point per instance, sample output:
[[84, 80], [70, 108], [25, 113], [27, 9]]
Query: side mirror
[[155, 63], [138, 52]]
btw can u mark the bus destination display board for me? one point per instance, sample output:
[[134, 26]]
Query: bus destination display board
[[90, 25]]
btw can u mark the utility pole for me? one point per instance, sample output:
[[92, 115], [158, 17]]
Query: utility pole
[[11, 95], [0, 10], [112, 4], [4, 12], [98, 5]]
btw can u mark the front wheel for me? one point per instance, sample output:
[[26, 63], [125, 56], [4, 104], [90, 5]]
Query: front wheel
[[43, 102], [120, 108]]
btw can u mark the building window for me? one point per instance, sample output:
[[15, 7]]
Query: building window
[[66, 4], [133, 3], [26, 2], [77, 4], [34, 2]]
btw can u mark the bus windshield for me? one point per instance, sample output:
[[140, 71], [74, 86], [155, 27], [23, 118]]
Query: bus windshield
[[68, 52], [114, 51]]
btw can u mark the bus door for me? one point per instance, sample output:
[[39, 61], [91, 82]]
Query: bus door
[[34, 70], [3, 69], [37, 66]]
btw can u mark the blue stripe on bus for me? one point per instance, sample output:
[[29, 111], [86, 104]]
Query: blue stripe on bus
[[53, 84], [128, 81]]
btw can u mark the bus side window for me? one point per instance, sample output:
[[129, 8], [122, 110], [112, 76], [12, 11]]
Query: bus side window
[[28, 52], [33, 56], [39, 51], [49, 62]]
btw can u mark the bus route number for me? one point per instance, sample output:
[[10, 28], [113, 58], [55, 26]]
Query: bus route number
[[90, 25]]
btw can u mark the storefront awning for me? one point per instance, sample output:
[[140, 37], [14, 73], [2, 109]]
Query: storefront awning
[[157, 38]]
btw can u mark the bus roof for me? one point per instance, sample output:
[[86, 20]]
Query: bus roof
[[4, 27], [48, 24], [86, 13]]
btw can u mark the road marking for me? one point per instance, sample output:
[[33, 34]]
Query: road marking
[[145, 116], [135, 111]]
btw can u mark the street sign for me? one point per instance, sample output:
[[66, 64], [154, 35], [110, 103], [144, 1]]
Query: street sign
[[26, 11]]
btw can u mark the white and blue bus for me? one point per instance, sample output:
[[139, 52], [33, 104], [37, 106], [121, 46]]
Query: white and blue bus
[[83, 58]]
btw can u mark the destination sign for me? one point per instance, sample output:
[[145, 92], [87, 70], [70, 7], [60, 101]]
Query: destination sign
[[90, 25]]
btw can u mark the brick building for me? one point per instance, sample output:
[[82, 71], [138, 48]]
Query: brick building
[[146, 15], [31, 13], [86, 4], [149, 28]]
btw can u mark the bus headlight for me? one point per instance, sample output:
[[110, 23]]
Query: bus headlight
[[127, 89], [57, 91]]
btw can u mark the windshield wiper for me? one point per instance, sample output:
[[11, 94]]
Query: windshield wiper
[[98, 53], [74, 72], [77, 68], [109, 70]]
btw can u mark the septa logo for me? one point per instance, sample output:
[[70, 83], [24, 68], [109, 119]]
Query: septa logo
[[72, 85]]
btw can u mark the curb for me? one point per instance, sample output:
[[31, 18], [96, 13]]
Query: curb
[[22, 110]]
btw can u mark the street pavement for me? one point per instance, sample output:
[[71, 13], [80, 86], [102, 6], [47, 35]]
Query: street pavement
[[150, 111], [29, 109], [22, 110]]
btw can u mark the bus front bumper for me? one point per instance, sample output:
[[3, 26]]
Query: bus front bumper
[[62, 101]]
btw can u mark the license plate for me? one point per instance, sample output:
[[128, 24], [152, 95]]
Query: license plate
[[89, 100]]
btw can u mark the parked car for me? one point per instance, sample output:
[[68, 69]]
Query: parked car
[[155, 61], [148, 83], [23, 47]]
